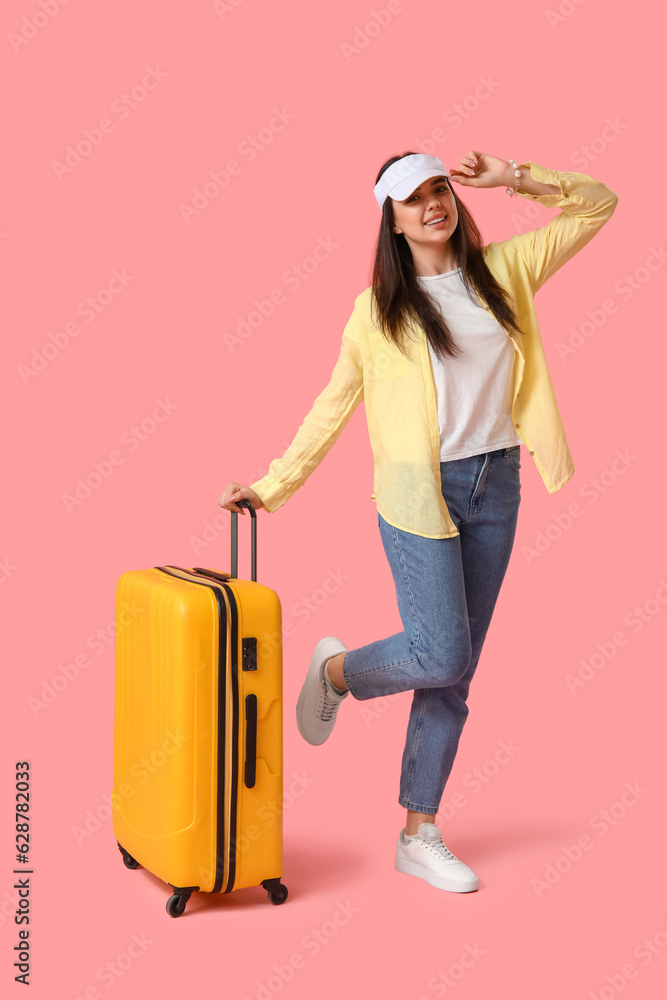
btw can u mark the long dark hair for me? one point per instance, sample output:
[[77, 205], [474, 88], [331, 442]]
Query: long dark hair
[[400, 300]]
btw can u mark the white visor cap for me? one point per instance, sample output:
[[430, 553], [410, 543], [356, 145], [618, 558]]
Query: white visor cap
[[404, 175]]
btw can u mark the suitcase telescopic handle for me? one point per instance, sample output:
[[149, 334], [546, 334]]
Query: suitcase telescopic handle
[[253, 540]]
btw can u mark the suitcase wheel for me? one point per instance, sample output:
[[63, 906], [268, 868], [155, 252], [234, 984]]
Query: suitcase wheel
[[176, 905], [128, 860], [277, 893]]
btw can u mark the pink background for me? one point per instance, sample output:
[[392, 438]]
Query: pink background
[[599, 586]]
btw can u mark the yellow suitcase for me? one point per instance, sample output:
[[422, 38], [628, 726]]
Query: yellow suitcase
[[198, 753]]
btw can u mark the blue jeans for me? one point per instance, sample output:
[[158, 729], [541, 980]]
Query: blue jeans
[[446, 590]]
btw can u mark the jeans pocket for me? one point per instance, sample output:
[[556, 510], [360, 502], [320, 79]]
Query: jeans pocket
[[513, 456]]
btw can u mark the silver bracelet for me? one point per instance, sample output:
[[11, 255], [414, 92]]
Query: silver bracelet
[[517, 173]]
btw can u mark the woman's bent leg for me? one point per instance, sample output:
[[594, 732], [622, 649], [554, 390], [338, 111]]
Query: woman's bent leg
[[434, 649]]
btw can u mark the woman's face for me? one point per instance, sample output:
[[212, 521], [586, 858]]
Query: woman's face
[[430, 201]]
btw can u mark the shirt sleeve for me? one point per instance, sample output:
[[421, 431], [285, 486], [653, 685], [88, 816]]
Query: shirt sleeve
[[586, 205], [320, 429]]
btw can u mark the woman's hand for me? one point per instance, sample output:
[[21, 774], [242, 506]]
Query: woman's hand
[[481, 170], [233, 492]]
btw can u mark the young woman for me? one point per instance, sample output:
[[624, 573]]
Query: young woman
[[445, 350]]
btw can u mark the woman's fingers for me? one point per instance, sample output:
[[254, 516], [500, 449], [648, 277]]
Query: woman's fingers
[[470, 162], [232, 493], [470, 167]]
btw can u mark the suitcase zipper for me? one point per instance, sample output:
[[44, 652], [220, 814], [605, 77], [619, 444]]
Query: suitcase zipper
[[220, 845]]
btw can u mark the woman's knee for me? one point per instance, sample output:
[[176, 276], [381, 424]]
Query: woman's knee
[[445, 662]]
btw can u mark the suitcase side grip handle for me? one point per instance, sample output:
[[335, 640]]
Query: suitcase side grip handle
[[250, 740]]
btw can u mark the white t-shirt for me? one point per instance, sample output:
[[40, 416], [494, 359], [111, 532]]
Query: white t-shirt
[[475, 388]]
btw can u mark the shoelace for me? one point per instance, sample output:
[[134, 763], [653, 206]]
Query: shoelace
[[441, 850], [328, 704]]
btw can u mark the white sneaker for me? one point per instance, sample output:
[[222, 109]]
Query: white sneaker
[[428, 858], [318, 702]]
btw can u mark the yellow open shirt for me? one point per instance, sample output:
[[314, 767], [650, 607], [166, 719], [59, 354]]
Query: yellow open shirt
[[400, 394]]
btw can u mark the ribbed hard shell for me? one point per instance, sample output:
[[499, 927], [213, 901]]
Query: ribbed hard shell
[[165, 788]]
